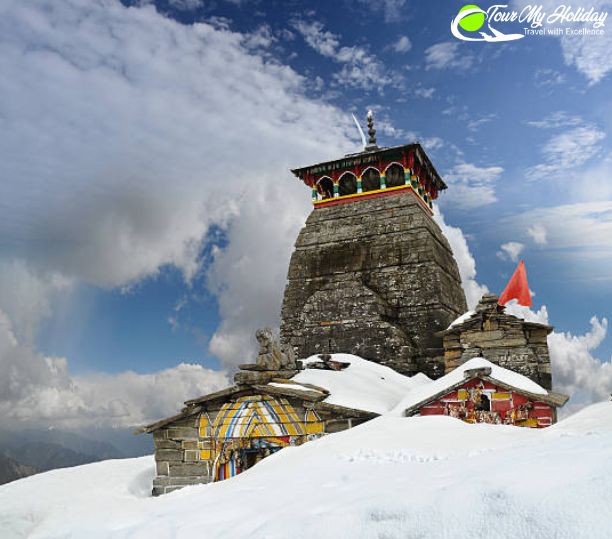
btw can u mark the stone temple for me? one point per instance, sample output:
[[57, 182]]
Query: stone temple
[[371, 273]]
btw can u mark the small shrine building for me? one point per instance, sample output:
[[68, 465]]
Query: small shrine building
[[479, 391]]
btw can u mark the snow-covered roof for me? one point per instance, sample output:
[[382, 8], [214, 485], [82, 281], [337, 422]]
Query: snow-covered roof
[[461, 319], [363, 385], [507, 377]]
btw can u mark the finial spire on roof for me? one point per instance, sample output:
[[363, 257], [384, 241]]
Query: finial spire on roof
[[372, 132]]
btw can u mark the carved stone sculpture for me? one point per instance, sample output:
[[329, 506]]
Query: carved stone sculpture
[[272, 356]]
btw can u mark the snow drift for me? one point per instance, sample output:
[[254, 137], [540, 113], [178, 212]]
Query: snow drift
[[392, 477]]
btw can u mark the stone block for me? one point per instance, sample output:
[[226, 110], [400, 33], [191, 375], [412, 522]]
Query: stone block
[[169, 455], [183, 433], [180, 469], [160, 434], [191, 456], [162, 468], [166, 444], [189, 444]]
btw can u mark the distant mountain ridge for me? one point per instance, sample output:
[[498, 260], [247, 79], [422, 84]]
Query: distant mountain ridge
[[48, 456], [10, 470], [31, 451], [28, 451]]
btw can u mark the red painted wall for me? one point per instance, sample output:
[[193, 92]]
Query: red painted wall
[[506, 406]]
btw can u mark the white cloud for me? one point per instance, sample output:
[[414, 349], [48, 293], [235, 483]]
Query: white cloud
[[447, 55], [425, 93], [580, 234], [566, 151], [249, 275], [360, 69], [510, 250], [37, 390], [26, 297], [138, 150], [557, 120], [538, 234], [403, 44], [474, 125], [576, 371], [186, 5], [146, 132], [465, 260], [546, 77], [261, 38], [472, 186], [589, 54]]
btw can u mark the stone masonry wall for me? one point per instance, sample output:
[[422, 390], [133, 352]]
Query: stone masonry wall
[[503, 339], [178, 444], [176, 457], [374, 277]]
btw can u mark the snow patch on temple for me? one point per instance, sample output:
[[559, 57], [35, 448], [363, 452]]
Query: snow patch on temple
[[363, 385]]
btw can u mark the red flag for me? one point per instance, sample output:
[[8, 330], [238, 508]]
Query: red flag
[[517, 288]]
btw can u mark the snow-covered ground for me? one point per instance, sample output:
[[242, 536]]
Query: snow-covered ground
[[392, 477]]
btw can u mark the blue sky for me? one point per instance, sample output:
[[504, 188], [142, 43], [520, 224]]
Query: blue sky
[[148, 211]]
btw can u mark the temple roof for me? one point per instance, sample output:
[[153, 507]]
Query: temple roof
[[478, 368], [372, 156]]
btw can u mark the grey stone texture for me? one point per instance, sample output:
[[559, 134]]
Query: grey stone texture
[[374, 277], [176, 458], [503, 339]]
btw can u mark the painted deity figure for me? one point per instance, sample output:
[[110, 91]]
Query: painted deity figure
[[272, 356]]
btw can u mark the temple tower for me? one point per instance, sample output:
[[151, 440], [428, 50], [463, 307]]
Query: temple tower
[[371, 273]]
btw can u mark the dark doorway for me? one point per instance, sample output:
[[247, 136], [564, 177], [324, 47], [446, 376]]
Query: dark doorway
[[370, 181]]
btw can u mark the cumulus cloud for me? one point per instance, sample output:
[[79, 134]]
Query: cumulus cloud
[[146, 133], [472, 186], [465, 260], [138, 151], [447, 55], [510, 250], [249, 275], [36, 390], [577, 372]]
